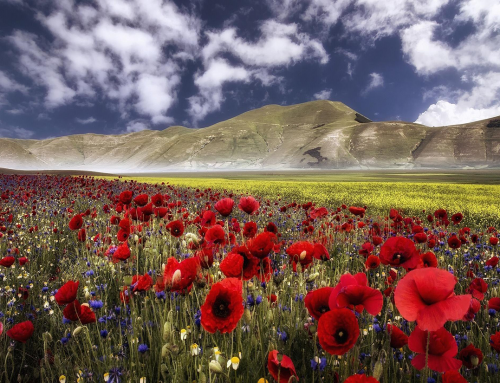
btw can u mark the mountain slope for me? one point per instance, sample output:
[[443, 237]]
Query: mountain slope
[[317, 134]]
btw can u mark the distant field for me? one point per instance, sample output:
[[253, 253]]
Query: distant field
[[485, 177], [476, 195]]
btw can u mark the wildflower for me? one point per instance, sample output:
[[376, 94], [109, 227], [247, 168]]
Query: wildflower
[[195, 349], [183, 334], [280, 365], [143, 348], [338, 331], [233, 362], [62, 379], [426, 295], [439, 351], [223, 307]]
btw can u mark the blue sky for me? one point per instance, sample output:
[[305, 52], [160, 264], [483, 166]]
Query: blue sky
[[118, 66]]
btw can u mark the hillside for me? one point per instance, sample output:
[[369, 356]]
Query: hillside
[[318, 134]]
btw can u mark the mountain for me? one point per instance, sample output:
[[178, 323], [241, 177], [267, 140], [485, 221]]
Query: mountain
[[317, 134]]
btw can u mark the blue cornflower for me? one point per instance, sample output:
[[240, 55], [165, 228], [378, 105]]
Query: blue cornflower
[[104, 333], [143, 348], [96, 304], [115, 375]]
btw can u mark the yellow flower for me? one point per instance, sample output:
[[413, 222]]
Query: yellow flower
[[262, 380], [142, 380], [195, 349], [106, 376], [62, 379]]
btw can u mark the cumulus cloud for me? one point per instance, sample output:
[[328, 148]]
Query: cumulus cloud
[[279, 45], [376, 81], [116, 47], [323, 95], [477, 104], [85, 121]]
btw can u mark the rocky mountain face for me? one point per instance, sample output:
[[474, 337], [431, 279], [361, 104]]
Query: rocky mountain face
[[317, 134]]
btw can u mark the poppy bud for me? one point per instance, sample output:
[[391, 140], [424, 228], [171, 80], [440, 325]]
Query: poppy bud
[[215, 366], [474, 360], [378, 370], [47, 337], [78, 330], [247, 316], [312, 277]]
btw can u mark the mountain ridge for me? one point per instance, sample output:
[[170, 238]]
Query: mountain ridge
[[318, 134]]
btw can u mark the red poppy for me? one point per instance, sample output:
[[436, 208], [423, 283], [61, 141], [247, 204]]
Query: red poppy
[[21, 332], [316, 301], [357, 210], [420, 237], [271, 227], [372, 262], [398, 337], [76, 222], [366, 249], [427, 260], [281, 366], [126, 197], [301, 252], [7, 261], [208, 218], [141, 200], [67, 293], [122, 235], [353, 291], [493, 261], [224, 206], [426, 295], [320, 252], [240, 263], [361, 378], [454, 242], [157, 200], [262, 244], [114, 220], [477, 288], [453, 377], [250, 229], [474, 308], [223, 307], [176, 228], [399, 251], [122, 253], [216, 235], [82, 235], [440, 351], [471, 357], [206, 256], [72, 310], [338, 331], [86, 314], [494, 303], [248, 204], [457, 218], [23, 261], [179, 277], [495, 341], [125, 224], [142, 283], [493, 241]]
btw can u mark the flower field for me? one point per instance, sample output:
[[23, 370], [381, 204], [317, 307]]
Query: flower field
[[107, 280]]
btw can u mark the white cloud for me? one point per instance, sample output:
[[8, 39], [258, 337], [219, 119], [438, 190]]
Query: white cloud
[[279, 45], [444, 113], [7, 84], [85, 121], [136, 126], [117, 47], [477, 104], [15, 111], [323, 95], [376, 81], [210, 83]]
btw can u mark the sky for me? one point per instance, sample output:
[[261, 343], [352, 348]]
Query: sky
[[121, 66]]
